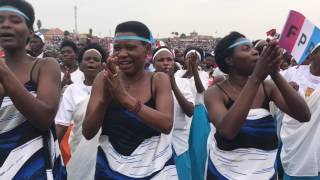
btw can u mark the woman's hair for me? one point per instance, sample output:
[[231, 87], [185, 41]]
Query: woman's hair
[[199, 50], [71, 44], [23, 6], [222, 50], [95, 46], [136, 27]]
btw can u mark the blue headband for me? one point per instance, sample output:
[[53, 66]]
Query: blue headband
[[117, 38], [14, 10], [238, 43]]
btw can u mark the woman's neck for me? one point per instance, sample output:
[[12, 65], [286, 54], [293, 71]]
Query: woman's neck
[[237, 80], [133, 77], [72, 67], [37, 53], [88, 80], [15, 56]]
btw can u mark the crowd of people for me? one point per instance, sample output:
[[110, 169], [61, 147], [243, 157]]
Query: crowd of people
[[228, 109], [207, 45]]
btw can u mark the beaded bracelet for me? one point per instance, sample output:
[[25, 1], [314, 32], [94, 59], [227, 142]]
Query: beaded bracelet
[[137, 107]]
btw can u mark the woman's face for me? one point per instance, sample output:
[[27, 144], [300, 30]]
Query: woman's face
[[91, 63], [36, 44], [14, 31], [208, 63], [164, 62], [131, 54], [68, 55], [244, 59]]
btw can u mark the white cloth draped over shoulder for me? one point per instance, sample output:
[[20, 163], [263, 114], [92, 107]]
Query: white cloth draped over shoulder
[[300, 154], [84, 151]]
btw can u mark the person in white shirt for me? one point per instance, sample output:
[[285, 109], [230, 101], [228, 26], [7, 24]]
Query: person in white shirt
[[198, 79], [90, 59], [70, 71], [163, 61], [300, 153]]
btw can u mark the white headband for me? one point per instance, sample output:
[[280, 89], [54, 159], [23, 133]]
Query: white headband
[[14, 10], [161, 50], [194, 51], [94, 50]]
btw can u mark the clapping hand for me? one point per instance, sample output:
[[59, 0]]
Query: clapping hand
[[268, 62], [66, 80], [4, 70], [112, 81], [193, 59]]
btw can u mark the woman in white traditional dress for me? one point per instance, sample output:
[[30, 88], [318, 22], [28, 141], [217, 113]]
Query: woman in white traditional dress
[[163, 61], [71, 114], [199, 79]]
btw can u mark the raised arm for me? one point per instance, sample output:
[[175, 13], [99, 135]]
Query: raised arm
[[185, 104], [194, 67], [65, 113], [1, 94], [229, 122], [161, 117], [98, 103], [39, 110]]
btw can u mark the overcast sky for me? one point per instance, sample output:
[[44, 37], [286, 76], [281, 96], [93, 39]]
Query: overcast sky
[[208, 17]]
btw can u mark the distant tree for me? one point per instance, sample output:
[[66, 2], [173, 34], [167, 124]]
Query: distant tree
[[90, 33], [183, 35], [39, 24], [176, 33]]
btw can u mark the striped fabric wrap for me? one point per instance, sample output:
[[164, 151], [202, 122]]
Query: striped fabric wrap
[[26, 152], [152, 159], [250, 155]]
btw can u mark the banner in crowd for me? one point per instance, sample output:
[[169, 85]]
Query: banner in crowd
[[299, 36]]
